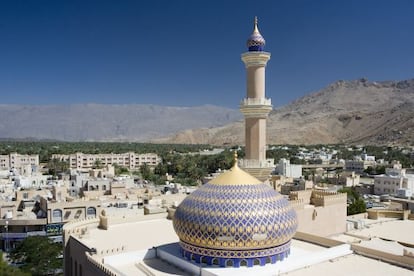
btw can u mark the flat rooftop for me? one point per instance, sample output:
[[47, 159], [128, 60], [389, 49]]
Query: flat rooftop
[[397, 230], [136, 240]]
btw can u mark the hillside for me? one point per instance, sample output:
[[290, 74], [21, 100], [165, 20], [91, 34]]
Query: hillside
[[98, 122], [357, 111]]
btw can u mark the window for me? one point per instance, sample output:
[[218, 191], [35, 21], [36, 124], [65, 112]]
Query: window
[[67, 215], [78, 213], [91, 212], [57, 215]]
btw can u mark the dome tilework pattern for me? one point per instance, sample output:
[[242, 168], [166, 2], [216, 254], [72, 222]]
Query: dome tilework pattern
[[235, 221]]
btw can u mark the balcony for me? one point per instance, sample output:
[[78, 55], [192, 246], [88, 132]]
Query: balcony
[[255, 102], [252, 163]]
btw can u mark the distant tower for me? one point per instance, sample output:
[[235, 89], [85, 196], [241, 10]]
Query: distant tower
[[255, 107]]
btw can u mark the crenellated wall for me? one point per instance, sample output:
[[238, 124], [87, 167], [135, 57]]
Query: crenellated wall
[[304, 195], [323, 198], [319, 212], [98, 267], [78, 227], [297, 204]]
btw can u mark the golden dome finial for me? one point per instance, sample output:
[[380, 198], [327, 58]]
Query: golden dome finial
[[235, 159]]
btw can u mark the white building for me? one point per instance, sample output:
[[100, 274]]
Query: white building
[[32, 181], [289, 170], [360, 163], [393, 181], [129, 160]]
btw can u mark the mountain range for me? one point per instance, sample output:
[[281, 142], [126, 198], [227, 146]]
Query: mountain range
[[99, 122], [358, 111]]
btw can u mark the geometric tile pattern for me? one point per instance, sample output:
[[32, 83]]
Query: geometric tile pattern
[[256, 42], [250, 219]]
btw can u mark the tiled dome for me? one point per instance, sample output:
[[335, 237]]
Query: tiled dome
[[256, 42], [235, 220]]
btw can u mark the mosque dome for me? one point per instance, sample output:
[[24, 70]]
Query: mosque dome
[[235, 220], [256, 42]]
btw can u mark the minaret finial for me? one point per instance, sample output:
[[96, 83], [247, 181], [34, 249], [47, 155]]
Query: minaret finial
[[256, 41], [256, 29]]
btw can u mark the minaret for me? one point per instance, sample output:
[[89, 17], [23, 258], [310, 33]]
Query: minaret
[[255, 107]]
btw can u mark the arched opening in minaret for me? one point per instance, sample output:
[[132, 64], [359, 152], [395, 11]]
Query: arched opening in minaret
[[268, 260], [243, 263], [215, 261], [256, 262]]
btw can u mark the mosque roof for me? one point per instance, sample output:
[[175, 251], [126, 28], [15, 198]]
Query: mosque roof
[[235, 216], [255, 42]]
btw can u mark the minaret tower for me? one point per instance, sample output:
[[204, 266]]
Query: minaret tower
[[255, 107]]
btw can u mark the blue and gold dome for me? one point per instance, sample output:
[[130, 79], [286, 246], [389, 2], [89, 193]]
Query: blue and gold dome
[[235, 220], [256, 42]]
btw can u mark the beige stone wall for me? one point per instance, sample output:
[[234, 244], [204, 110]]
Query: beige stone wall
[[326, 242], [319, 212], [376, 213], [323, 221]]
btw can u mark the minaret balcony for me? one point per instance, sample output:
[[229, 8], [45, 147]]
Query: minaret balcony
[[253, 163], [256, 101], [256, 107]]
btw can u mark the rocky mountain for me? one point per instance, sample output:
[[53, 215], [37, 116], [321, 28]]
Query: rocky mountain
[[98, 122], [358, 111]]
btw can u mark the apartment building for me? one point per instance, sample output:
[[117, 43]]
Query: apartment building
[[18, 161], [129, 160], [393, 182]]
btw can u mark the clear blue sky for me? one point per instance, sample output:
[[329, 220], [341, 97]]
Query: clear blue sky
[[187, 53]]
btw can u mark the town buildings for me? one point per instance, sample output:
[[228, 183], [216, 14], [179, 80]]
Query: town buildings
[[129, 160]]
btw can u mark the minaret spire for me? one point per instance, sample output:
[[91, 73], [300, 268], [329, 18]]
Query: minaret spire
[[256, 29]]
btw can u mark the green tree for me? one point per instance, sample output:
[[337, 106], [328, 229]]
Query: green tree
[[356, 204], [145, 171], [56, 166], [97, 164], [39, 255], [120, 169], [8, 270]]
